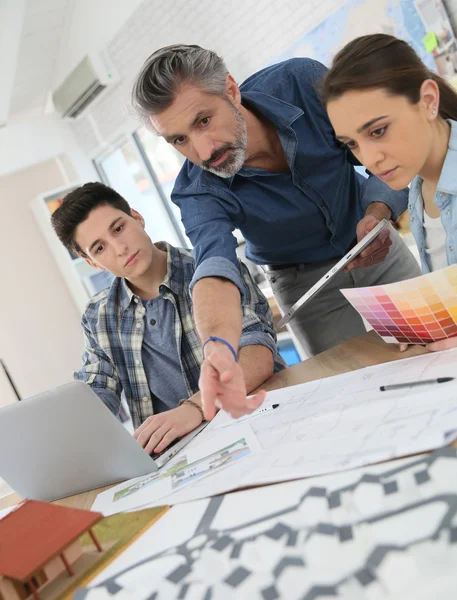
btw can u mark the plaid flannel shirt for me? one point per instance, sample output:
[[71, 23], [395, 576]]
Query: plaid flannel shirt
[[113, 326]]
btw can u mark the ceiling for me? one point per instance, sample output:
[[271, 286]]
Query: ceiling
[[31, 37]]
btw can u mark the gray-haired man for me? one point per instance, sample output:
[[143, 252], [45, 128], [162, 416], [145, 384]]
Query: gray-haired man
[[262, 157]]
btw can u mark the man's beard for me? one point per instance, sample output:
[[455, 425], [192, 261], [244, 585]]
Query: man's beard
[[236, 151]]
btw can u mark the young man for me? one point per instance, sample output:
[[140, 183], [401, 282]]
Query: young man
[[140, 335], [263, 158]]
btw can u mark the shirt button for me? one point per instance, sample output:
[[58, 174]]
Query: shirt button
[[135, 300], [441, 194], [145, 398], [138, 325], [153, 321], [448, 212], [137, 362], [451, 248]]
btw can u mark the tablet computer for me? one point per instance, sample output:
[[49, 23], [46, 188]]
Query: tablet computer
[[323, 281]]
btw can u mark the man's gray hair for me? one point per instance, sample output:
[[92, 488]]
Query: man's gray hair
[[165, 71]]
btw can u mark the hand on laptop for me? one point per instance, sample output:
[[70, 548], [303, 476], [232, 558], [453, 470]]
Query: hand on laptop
[[158, 431]]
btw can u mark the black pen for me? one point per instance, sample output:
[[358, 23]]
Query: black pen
[[252, 415], [397, 386], [258, 412]]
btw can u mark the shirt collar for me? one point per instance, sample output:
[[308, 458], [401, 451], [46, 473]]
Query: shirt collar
[[173, 281], [281, 114], [174, 278], [448, 179], [447, 182]]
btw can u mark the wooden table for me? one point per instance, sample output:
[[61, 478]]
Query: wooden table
[[363, 351]]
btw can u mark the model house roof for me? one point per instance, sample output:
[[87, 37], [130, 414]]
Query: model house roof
[[35, 532]]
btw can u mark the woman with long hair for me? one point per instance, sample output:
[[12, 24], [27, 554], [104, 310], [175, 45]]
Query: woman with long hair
[[399, 119]]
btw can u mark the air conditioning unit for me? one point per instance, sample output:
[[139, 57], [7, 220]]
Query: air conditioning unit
[[83, 85]]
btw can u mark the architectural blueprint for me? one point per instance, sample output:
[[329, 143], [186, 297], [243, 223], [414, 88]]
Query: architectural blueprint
[[384, 532], [338, 423], [188, 466]]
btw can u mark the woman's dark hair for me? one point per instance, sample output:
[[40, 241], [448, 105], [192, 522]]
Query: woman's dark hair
[[76, 207], [384, 61]]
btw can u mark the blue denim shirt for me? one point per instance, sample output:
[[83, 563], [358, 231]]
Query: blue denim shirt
[[445, 199], [307, 215]]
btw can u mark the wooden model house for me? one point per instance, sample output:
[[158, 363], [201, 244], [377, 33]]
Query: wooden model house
[[38, 541]]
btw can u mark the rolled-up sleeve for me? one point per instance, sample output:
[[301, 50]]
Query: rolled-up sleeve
[[257, 324], [375, 190], [217, 266], [210, 227]]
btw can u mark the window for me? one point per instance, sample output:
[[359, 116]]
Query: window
[[124, 170], [164, 164]]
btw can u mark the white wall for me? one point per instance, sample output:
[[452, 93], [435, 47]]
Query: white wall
[[39, 139], [91, 25], [40, 336]]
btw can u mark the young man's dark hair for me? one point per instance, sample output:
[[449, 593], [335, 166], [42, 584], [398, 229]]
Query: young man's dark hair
[[76, 207]]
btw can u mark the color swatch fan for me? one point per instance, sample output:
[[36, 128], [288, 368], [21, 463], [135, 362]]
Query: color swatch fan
[[415, 311]]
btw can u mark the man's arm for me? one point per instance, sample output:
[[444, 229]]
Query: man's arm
[[219, 367], [158, 431], [378, 249], [380, 202], [217, 313], [217, 287], [258, 365], [217, 310], [377, 192], [258, 358]]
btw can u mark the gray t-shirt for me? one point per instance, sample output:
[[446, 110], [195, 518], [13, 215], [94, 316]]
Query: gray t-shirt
[[160, 355]]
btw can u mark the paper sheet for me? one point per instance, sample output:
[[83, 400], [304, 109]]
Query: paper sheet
[[384, 531], [194, 462], [338, 423]]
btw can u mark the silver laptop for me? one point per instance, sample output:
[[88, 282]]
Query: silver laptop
[[66, 441]]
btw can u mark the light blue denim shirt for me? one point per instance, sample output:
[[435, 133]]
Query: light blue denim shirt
[[445, 199]]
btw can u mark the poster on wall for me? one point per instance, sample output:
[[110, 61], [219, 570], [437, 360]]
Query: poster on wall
[[424, 24], [440, 39]]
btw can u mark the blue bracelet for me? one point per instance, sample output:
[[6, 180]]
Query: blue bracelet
[[213, 338]]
